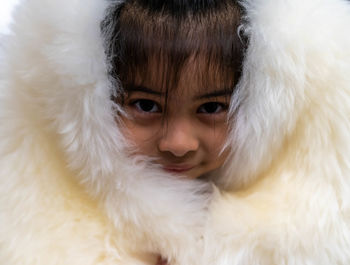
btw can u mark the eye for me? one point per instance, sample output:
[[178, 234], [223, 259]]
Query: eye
[[212, 108], [146, 105]]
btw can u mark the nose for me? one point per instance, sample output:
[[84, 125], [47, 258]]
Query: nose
[[178, 138]]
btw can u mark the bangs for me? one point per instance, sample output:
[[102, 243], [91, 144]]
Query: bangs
[[154, 45]]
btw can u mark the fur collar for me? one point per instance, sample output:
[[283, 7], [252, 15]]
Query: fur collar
[[70, 195]]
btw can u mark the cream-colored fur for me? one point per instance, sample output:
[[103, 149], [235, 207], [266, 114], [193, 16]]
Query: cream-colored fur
[[69, 194]]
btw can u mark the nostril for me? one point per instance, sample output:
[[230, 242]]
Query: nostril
[[178, 147], [162, 261]]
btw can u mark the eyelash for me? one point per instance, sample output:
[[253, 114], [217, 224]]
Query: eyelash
[[222, 107], [156, 108], [138, 107]]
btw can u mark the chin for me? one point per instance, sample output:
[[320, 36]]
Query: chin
[[71, 194]]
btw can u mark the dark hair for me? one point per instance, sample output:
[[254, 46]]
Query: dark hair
[[139, 34]]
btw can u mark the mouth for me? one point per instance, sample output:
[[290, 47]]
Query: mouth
[[177, 168]]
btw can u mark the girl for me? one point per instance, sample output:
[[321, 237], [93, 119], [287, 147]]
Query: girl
[[179, 132], [177, 64]]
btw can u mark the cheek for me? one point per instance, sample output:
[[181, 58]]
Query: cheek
[[216, 139], [213, 144], [143, 137]]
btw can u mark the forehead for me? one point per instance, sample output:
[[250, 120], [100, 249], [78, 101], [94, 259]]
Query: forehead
[[197, 73]]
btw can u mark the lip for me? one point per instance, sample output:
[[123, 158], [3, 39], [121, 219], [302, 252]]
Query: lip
[[177, 168]]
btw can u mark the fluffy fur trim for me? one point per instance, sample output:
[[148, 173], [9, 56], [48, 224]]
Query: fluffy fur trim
[[70, 195]]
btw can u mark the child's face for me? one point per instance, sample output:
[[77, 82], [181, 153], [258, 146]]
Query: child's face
[[188, 140]]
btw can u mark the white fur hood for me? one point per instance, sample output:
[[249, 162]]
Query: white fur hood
[[69, 194]]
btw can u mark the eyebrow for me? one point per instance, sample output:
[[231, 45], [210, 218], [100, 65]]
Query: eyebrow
[[219, 93], [144, 90]]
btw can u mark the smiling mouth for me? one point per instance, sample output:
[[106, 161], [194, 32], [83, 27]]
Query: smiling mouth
[[177, 169]]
